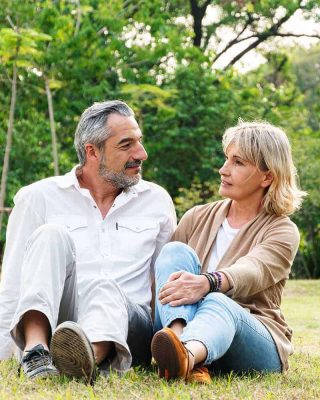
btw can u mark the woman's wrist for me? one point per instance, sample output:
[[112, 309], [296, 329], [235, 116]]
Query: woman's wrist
[[206, 284], [215, 282]]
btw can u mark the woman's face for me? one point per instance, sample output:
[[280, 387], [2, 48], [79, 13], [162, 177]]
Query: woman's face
[[241, 180]]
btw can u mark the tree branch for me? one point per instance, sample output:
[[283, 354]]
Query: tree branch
[[245, 51], [297, 35], [233, 43], [261, 37]]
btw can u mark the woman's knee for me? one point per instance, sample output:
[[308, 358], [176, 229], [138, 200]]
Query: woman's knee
[[220, 299], [177, 256]]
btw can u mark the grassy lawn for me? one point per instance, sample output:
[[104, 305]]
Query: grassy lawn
[[301, 307]]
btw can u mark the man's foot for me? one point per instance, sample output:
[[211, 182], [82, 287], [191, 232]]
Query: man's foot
[[170, 354], [72, 352], [199, 375], [37, 363]]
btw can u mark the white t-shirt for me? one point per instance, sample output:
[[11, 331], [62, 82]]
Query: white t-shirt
[[223, 240]]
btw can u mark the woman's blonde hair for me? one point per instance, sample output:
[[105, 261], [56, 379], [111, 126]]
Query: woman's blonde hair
[[268, 147]]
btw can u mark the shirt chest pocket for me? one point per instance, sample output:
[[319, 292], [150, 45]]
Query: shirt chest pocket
[[137, 236], [76, 226]]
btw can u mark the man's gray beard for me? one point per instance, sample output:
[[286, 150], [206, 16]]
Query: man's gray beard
[[118, 179]]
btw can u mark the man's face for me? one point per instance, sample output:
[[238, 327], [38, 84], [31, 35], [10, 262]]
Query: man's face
[[123, 153]]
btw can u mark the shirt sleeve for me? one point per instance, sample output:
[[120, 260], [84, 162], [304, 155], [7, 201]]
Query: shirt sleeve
[[22, 222], [267, 263]]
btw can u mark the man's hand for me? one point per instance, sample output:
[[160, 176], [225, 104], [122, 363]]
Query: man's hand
[[184, 288]]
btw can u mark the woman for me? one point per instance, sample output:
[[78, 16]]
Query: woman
[[219, 284]]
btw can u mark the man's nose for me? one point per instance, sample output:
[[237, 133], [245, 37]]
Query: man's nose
[[140, 153]]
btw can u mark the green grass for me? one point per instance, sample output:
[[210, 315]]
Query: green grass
[[301, 307]]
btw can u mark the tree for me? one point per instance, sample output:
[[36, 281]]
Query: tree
[[253, 22], [18, 47]]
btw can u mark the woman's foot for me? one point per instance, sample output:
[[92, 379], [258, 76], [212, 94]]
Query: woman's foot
[[170, 354], [199, 375]]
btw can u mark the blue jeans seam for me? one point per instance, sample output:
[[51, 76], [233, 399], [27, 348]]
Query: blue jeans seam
[[263, 336]]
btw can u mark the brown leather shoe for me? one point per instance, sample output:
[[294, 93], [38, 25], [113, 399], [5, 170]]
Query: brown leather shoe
[[170, 355], [199, 375]]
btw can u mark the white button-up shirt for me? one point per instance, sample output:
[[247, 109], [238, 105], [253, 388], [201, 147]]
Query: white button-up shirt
[[123, 245]]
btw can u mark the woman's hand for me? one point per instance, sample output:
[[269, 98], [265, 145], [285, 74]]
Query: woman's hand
[[183, 288]]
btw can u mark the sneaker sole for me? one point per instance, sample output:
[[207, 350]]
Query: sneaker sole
[[165, 354], [45, 373], [71, 351]]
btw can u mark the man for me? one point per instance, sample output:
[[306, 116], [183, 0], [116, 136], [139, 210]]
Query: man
[[80, 249]]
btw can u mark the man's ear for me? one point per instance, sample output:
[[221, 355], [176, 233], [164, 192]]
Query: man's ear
[[92, 153], [268, 178]]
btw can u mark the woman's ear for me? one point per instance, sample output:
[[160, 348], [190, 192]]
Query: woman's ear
[[268, 178]]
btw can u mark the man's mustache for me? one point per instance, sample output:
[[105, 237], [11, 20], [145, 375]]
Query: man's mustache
[[131, 164]]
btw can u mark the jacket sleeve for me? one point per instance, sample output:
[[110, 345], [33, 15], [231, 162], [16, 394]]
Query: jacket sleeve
[[184, 227], [267, 263], [22, 222]]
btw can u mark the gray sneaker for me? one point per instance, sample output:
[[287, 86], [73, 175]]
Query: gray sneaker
[[72, 352], [37, 363]]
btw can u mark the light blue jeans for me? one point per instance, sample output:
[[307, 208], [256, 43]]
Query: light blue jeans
[[235, 340]]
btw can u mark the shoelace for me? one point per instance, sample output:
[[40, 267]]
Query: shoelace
[[188, 352], [38, 358]]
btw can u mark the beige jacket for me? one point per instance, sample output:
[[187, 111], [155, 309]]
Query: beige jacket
[[257, 263]]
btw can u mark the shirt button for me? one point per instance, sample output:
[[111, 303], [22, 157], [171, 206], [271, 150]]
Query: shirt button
[[94, 206]]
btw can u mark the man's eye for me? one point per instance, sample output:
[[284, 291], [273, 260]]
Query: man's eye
[[238, 162]]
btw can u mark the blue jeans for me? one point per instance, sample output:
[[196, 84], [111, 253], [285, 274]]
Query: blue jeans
[[235, 340]]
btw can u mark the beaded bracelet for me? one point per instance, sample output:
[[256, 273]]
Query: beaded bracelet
[[212, 282], [218, 278], [215, 281]]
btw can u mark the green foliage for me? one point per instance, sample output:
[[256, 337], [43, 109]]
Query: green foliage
[[198, 193], [139, 52]]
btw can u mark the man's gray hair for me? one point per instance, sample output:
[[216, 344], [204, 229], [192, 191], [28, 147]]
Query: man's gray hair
[[92, 127]]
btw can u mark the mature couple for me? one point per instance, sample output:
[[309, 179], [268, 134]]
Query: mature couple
[[83, 249]]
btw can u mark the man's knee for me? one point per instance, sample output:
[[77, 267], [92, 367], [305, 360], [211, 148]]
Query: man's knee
[[51, 233]]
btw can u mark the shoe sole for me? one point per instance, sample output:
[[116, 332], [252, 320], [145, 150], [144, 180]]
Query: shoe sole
[[71, 352], [42, 374], [165, 354]]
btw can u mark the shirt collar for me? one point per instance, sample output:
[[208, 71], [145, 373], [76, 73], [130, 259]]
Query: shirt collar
[[70, 179]]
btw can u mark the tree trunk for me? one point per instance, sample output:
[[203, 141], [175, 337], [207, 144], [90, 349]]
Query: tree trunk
[[78, 22], [52, 128], [198, 13], [5, 167]]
